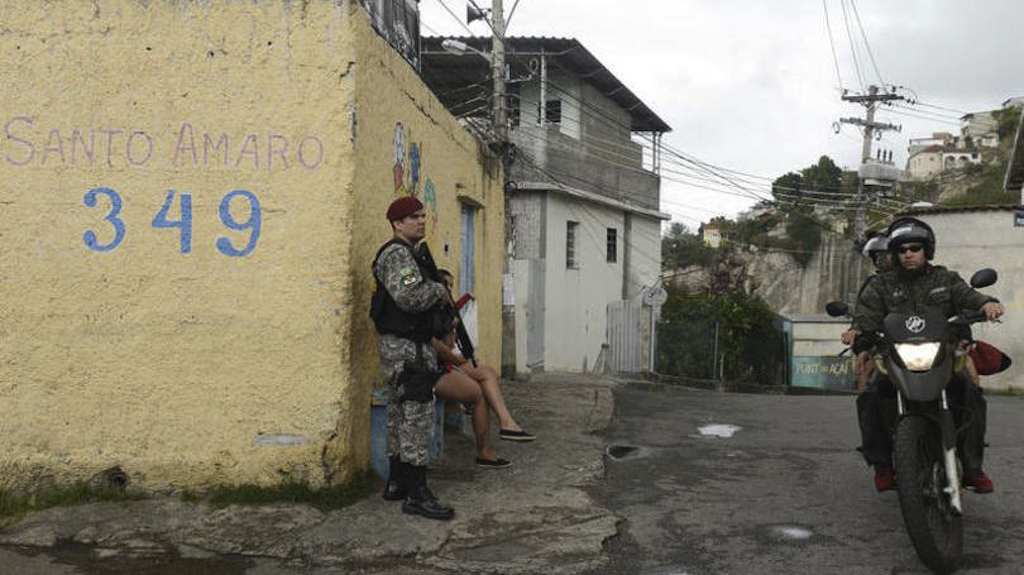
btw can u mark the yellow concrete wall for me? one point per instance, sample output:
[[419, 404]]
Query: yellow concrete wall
[[394, 106], [182, 367]]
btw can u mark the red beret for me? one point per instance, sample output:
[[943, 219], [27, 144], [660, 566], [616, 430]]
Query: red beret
[[403, 207]]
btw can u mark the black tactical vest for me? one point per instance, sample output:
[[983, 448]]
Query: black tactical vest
[[391, 319]]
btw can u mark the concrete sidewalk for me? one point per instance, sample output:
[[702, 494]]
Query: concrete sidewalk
[[530, 518]]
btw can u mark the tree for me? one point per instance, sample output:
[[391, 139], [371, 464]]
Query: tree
[[824, 176], [800, 191], [681, 248]]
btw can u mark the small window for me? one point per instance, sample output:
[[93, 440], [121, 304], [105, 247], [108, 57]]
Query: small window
[[570, 245], [613, 245], [513, 102], [552, 112]]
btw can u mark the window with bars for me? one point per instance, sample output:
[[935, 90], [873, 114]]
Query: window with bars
[[570, 245], [552, 112], [613, 245]]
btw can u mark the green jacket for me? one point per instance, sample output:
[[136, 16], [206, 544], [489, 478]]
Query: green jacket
[[898, 291]]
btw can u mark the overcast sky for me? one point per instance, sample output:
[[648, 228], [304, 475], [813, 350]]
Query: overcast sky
[[751, 85]]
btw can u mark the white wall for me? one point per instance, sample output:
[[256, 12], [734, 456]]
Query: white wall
[[925, 164], [643, 247], [559, 88], [968, 241], [576, 299]]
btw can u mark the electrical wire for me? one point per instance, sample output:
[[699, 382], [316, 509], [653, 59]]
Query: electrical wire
[[832, 43], [867, 45], [853, 48], [508, 21], [457, 19]]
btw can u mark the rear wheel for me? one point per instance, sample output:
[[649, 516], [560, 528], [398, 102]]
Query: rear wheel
[[935, 529]]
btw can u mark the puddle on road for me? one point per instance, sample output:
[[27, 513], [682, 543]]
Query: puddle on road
[[796, 533], [94, 560], [787, 533], [620, 452], [666, 571], [723, 430]]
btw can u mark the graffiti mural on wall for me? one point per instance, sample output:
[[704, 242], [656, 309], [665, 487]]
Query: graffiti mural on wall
[[408, 170], [414, 169], [430, 196], [399, 158], [408, 160]]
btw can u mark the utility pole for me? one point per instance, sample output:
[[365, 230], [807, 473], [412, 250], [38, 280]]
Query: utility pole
[[870, 101], [498, 70]]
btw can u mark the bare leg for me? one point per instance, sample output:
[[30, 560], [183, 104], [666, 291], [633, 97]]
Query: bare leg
[[488, 380], [457, 386]]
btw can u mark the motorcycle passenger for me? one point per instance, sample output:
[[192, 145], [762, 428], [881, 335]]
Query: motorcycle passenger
[[913, 286], [876, 248], [869, 403]]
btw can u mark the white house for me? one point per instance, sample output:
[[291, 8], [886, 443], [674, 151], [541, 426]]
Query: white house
[[711, 234], [583, 218]]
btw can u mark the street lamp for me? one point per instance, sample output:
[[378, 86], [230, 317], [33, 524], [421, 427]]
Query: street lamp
[[459, 48]]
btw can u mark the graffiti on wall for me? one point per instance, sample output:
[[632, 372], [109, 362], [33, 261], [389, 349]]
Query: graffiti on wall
[[407, 169], [117, 228], [29, 143]]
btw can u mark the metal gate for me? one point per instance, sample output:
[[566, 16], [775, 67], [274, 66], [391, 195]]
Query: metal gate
[[627, 336]]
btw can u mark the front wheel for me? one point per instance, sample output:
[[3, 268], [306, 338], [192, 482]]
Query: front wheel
[[935, 529]]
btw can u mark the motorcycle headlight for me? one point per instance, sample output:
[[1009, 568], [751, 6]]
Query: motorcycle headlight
[[918, 356]]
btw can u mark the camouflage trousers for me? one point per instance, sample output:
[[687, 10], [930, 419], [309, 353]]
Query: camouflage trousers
[[410, 423]]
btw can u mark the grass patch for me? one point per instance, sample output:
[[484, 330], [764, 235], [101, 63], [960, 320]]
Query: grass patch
[[13, 505], [324, 498]]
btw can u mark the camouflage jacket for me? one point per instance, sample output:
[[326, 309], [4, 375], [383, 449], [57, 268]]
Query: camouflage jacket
[[896, 291], [400, 275]]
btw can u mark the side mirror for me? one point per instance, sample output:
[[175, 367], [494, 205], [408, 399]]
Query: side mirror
[[984, 278], [837, 309]]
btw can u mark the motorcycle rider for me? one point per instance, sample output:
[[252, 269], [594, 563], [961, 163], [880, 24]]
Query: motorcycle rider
[[913, 284]]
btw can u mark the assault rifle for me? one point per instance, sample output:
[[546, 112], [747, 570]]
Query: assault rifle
[[462, 339]]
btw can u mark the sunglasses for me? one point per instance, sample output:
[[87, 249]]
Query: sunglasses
[[911, 248]]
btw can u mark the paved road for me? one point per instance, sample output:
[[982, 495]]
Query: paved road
[[786, 494]]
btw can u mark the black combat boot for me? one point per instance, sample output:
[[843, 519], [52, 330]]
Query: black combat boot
[[397, 486], [420, 500]]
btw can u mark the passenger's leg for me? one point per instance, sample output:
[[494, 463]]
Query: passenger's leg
[[488, 380], [875, 436], [457, 386]]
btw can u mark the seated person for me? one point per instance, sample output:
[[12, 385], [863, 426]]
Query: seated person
[[477, 385]]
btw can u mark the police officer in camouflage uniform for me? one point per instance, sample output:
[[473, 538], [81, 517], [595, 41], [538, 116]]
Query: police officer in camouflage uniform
[[915, 284], [408, 311]]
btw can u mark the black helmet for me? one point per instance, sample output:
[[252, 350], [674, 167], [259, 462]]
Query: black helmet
[[879, 243], [911, 230]]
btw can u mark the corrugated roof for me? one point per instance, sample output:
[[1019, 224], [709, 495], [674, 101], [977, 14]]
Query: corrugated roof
[[448, 73]]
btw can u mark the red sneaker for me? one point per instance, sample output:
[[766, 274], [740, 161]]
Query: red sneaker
[[885, 479], [979, 482]]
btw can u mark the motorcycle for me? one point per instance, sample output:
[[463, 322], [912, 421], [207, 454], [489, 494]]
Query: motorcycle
[[918, 355]]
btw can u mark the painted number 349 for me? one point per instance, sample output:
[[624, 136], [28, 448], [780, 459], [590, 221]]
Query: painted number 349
[[162, 219]]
